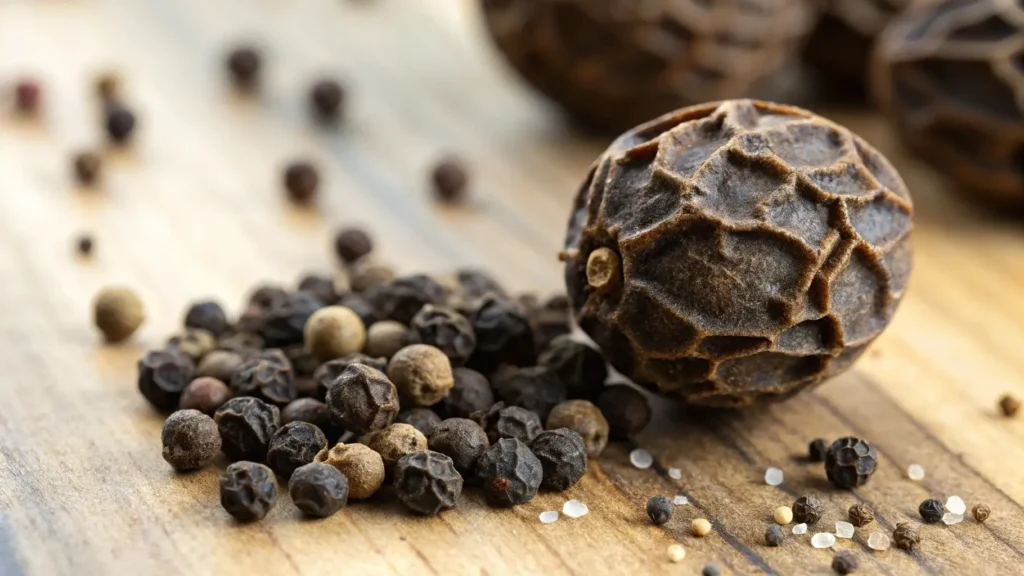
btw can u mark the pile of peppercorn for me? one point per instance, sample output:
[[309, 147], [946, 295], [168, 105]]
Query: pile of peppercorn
[[351, 381]]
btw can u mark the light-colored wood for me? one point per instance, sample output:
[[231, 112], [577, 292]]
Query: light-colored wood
[[194, 209]]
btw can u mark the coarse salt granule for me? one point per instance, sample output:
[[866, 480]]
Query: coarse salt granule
[[641, 459], [549, 517], [773, 477]]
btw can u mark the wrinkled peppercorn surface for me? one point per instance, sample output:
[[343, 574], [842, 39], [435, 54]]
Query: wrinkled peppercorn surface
[[536, 388], [293, 445], [931, 511], [850, 461], [427, 482], [246, 426], [659, 510], [286, 317], [318, 489], [446, 330], [509, 473], [462, 440], [248, 491], [163, 376], [807, 509], [563, 456], [502, 421], [471, 393], [362, 400]]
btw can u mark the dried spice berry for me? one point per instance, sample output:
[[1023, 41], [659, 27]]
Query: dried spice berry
[[563, 455], [163, 375], [351, 244], [611, 65], [578, 366], [27, 96], [301, 180], [87, 166], [313, 411], [321, 287], [462, 440], [427, 482], [84, 244], [535, 388], [120, 124], [931, 511], [1009, 406], [204, 394], [503, 335], [318, 489], [246, 426], [385, 338], [502, 421], [774, 535], [659, 510], [474, 284], [361, 306], [362, 400], [118, 313], [509, 473], [333, 332], [450, 180], [905, 536], [248, 491], [817, 450], [366, 273], [861, 515], [807, 509], [207, 315], [243, 65], [396, 441], [626, 411], [190, 440], [674, 330], [583, 418], [363, 467], [328, 372], [550, 320], [981, 512], [304, 364], [245, 344], [325, 99], [845, 562], [293, 445], [470, 393], [194, 343], [422, 374], [269, 379], [423, 419], [446, 330], [265, 295], [401, 298], [850, 461], [286, 317]]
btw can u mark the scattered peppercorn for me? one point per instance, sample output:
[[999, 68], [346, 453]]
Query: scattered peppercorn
[[773, 536], [535, 388], [246, 426], [470, 393], [207, 315], [446, 330], [265, 295], [385, 338], [293, 445], [503, 335], [286, 317], [84, 245], [304, 363], [365, 273], [243, 64], [363, 467], [359, 304], [325, 99], [87, 167], [807, 509], [27, 96], [462, 440], [711, 570], [301, 180], [509, 473], [783, 515], [396, 441], [193, 342], [204, 394], [120, 124], [107, 86], [845, 562], [1009, 405], [163, 376], [269, 379], [700, 527], [118, 313], [563, 455], [474, 284], [423, 419], [427, 482], [502, 421], [849, 462], [450, 180], [625, 409], [931, 510], [313, 411], [318, 489], [362, 400], [248, 491], [422, 374], [351, 244], [320, 286], [817, 450], [905, 536], [981, 512], [584, 418], [659, 510], [333, 332], [551, 319], [861, 515], [401, 298], [328, 372], [190, 440], [580, 367]]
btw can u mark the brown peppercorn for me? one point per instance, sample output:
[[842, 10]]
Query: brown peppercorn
[[204, 394], [243, 64], [423, 419], [1009, 405], [87, 165], [366, 273], [808, 509], [363, 467], [583, 418], [193, 342], [626, 410], [266, 377], [462, 440], [190, 439], [861, 515], [445, 329], [395, 441], [905, 536], [27, 96], [325, 99], [450, 180], [845, 562], [981, 512], [220, 364], [118, 313], [471, 393], [120, 124], [333, 332], [385, 338], [84, 244], [313, 411], [422, 373], [107, 86], [328, 372], [535, 388], [362, 400], [351, 244], [301, 180]]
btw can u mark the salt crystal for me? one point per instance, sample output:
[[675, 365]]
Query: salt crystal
[[549, 517], [676, 553], [949, 518], [641, 458], [915, 472], [956, 505], [800, 529], [773, 477], [680, 500], [844, 530], [823, 540], [878, 541], [675, 473], [575, 509]]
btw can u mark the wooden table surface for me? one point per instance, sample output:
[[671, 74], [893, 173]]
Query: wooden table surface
[[194, 209]]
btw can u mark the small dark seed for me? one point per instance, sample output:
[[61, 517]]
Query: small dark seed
[[301, 180], [845, 562], [659, 510], [450, 180], [931, 510], [817, 449], [773, 536]]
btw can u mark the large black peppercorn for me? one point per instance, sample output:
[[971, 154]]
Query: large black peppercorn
[[502, 421], [471, 393], [285, 319], [207, 315], [401, 298], [817, 450], [246, 426], [808, 509], [625, 409], [313, 411], [462, 440], [427, 482], [120, 124], [563, 456], [248, 491], [503, 335], [243, 64], [423, 419], [509, 473], [190, 440], [535, 388], [580, 367], [931, 511], [850, 462], [325, 99], [444, 329], [268, 379], [293, 445], [318, 489], [362, 400], [163, 376], [328, 372]]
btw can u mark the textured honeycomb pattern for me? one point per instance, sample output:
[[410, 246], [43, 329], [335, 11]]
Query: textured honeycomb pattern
[[951, 75], [616, 63], [762, 247]]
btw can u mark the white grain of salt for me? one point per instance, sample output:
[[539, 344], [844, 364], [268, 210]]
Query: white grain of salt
[[549, 517], [773, 477], [641, 459], [575, 509]]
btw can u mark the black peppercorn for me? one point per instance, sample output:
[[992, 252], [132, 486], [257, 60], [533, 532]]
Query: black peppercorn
[[625, 409], [246, 426], [204, 394], [817, 450], [475, 284], [450, 179], [471, 393], [463, 440], [580, 367], [190, 440], [301, 180], [84, 244], [860, 515], [351, 244], [120, 124], [401, 298], [563, 456], [163, 375], [265, 295], [535, 388], [905, 536], [845, 562], [316, 413], [271, 380], [207, 315], [659, 510], [362, 400], [808, 509], [773, 536], [248, 491], [503, 335], [423, 419], [243, 64], [446, 330], [850, 461], [318, 489], [328, 372], [245, 343], [711, 570], [502, 421], [27, 95], [285, 319], [427, 482], [550, 320], [304, 364], [509, 473], [87, 167], [320, 286], [325, 99], [294, 445], [1009, 405], [931, 510]]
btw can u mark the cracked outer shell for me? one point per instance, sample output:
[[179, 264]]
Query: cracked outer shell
[[762, 249]]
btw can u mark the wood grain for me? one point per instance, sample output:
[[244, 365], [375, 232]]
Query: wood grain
[[194, 209]]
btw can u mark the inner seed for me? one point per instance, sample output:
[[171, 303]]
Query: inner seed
[[603, 267]]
